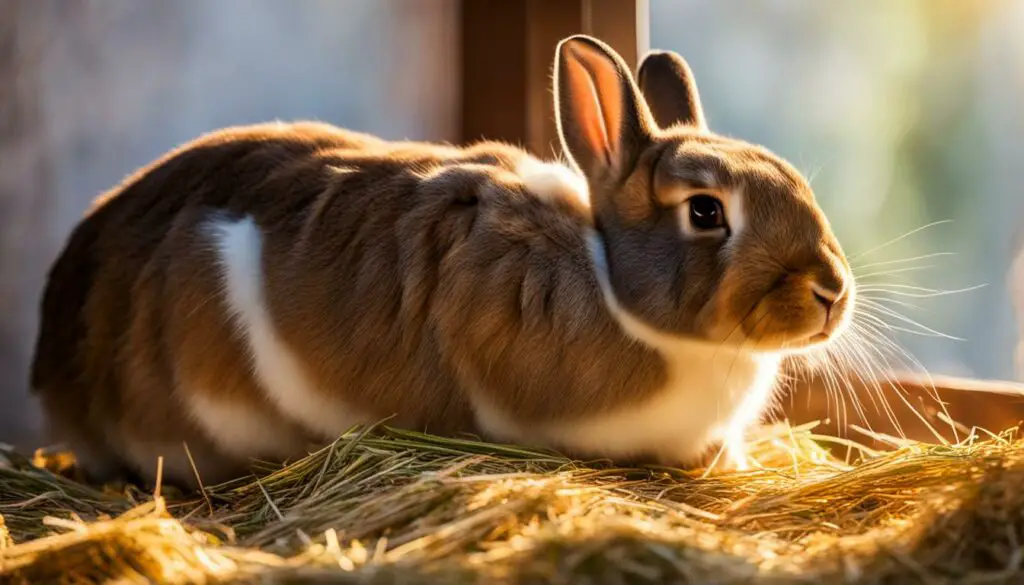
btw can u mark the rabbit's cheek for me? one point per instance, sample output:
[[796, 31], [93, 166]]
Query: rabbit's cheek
[[736, 310], [786, 317]]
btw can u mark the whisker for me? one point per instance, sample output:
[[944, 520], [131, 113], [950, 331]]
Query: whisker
[[813, 174], [900, 238], [812, 367], [918, 292], [893, 271], [874, 385], [843, 354], [832, 391], [904, 319], [889, 326], [901, 260], [739, 323], [895, 350], [909, 331], [850, 361], [843, 417], [896, 302]]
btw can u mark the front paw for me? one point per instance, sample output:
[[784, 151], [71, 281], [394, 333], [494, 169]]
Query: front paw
[[716, 457]]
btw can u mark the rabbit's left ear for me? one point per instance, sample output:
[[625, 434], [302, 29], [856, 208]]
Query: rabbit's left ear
[[603, 121], [670, 90]]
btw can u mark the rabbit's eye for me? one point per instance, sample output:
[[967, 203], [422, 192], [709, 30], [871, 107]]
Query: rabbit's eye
[[706, 213]]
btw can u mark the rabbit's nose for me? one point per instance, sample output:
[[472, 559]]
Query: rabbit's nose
[[824, 295], [828, 285]]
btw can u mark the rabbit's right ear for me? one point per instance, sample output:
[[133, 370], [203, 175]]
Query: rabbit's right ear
[[670, 90], [603, 121]]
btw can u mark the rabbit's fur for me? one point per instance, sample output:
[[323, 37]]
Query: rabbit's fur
[[263, 288]]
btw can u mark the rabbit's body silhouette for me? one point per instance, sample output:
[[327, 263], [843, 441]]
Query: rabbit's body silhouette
[[265, 288]]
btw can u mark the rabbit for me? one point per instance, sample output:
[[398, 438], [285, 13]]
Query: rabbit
[[263, 289]]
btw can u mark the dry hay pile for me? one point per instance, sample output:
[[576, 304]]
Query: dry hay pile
[[387, 506]]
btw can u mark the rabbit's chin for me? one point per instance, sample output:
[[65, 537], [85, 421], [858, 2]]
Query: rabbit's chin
[[806, 343], [786, 342]]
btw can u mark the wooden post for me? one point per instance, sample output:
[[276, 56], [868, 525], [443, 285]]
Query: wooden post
[[508, 49]]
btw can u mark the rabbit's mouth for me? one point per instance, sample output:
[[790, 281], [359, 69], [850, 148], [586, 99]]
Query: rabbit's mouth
[[836, 321], [817, 340], [838, 318]]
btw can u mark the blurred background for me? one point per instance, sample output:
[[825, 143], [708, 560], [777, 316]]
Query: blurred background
[[905, 113]]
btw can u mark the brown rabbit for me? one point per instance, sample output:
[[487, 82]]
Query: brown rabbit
[[265, 287]]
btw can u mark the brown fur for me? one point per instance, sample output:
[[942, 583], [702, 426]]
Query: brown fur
[[409, 276]]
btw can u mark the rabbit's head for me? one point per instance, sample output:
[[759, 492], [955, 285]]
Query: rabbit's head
[[696, 234]]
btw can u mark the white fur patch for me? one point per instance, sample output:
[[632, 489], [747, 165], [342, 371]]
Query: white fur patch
[[243, 430], [552, 180], [712, 393], [278, 370], [735, 211]]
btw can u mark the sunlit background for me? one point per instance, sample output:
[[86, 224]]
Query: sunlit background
[[904, 112]]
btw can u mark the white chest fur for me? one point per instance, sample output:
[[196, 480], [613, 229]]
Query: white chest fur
[[715, 391]]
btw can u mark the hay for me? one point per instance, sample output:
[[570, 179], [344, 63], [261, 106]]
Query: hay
[[390, 506]]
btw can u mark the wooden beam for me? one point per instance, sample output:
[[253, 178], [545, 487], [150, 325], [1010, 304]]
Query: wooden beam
[[994, 405], [508, 49]]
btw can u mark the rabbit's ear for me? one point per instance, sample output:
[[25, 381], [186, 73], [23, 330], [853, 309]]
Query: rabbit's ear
[[670, 90], [603, 122]]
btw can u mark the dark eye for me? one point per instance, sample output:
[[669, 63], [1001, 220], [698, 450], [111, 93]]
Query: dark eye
[[706, 213]]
